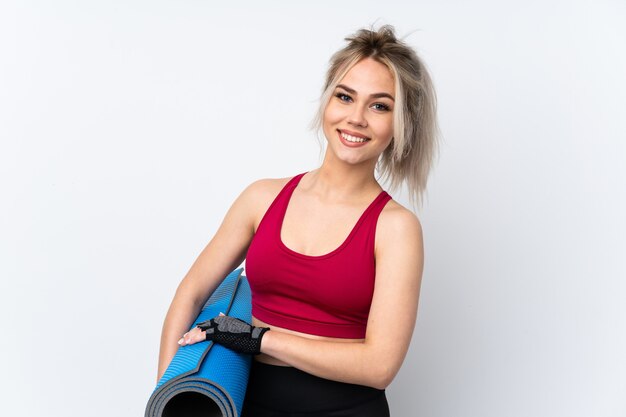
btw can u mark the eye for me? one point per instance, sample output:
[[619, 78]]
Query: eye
[[343, 97], [380, 107]]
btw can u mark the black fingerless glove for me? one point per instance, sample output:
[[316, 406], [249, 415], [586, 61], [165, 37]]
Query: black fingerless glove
[[234, 334]]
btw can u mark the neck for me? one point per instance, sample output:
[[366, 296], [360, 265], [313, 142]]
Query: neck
[[336, 179]]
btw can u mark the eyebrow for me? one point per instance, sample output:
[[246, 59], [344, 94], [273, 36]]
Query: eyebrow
[[375, 95]]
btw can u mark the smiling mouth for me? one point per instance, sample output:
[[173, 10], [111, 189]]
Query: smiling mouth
[[352, 138]]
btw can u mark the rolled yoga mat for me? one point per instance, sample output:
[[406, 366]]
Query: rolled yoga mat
[[206, 379]]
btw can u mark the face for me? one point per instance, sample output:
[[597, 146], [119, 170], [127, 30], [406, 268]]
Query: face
[[358, 120]]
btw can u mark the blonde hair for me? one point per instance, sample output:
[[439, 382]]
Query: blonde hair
[[409, 157]]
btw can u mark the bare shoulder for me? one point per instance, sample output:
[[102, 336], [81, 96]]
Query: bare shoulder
[[397, 225], [260, 194], [263, 191], [265, 187]]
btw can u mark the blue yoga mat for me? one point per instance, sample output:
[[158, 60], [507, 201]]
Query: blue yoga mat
[[206, 379]]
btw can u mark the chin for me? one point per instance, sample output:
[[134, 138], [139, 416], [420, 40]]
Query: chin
[[352, 159]]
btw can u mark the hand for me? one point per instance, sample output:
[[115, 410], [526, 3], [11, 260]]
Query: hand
[[230, 332], [195, 335], [234, 334]]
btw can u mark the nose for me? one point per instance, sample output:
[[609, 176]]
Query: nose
[[357, 116]]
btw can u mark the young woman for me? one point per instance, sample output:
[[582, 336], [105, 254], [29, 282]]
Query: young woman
[[333, 262]]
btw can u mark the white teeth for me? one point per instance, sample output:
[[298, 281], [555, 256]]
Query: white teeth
[[351, 138]]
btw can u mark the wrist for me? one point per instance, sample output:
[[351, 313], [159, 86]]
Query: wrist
[[260, 333], [269, 342], [264, 341]]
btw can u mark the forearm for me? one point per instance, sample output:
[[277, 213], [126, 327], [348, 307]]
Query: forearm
[[362, 363], [177, 321]]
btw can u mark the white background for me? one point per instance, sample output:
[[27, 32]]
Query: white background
[[128, 127]]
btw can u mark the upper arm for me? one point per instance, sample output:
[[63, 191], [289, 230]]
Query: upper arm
[[399, 265], [228, 247]]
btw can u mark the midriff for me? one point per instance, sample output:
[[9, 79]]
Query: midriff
[[270, 360]]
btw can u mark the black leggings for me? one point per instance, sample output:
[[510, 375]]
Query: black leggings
[[284, 391]]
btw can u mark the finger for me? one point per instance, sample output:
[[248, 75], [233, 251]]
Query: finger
[[193, 336], [196, 337], [187, 338], [199, 336]]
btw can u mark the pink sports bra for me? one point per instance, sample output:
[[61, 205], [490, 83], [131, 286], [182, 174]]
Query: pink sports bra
[[327, 295]]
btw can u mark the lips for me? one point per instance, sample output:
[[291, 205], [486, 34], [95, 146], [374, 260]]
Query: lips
[[352, 137]]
